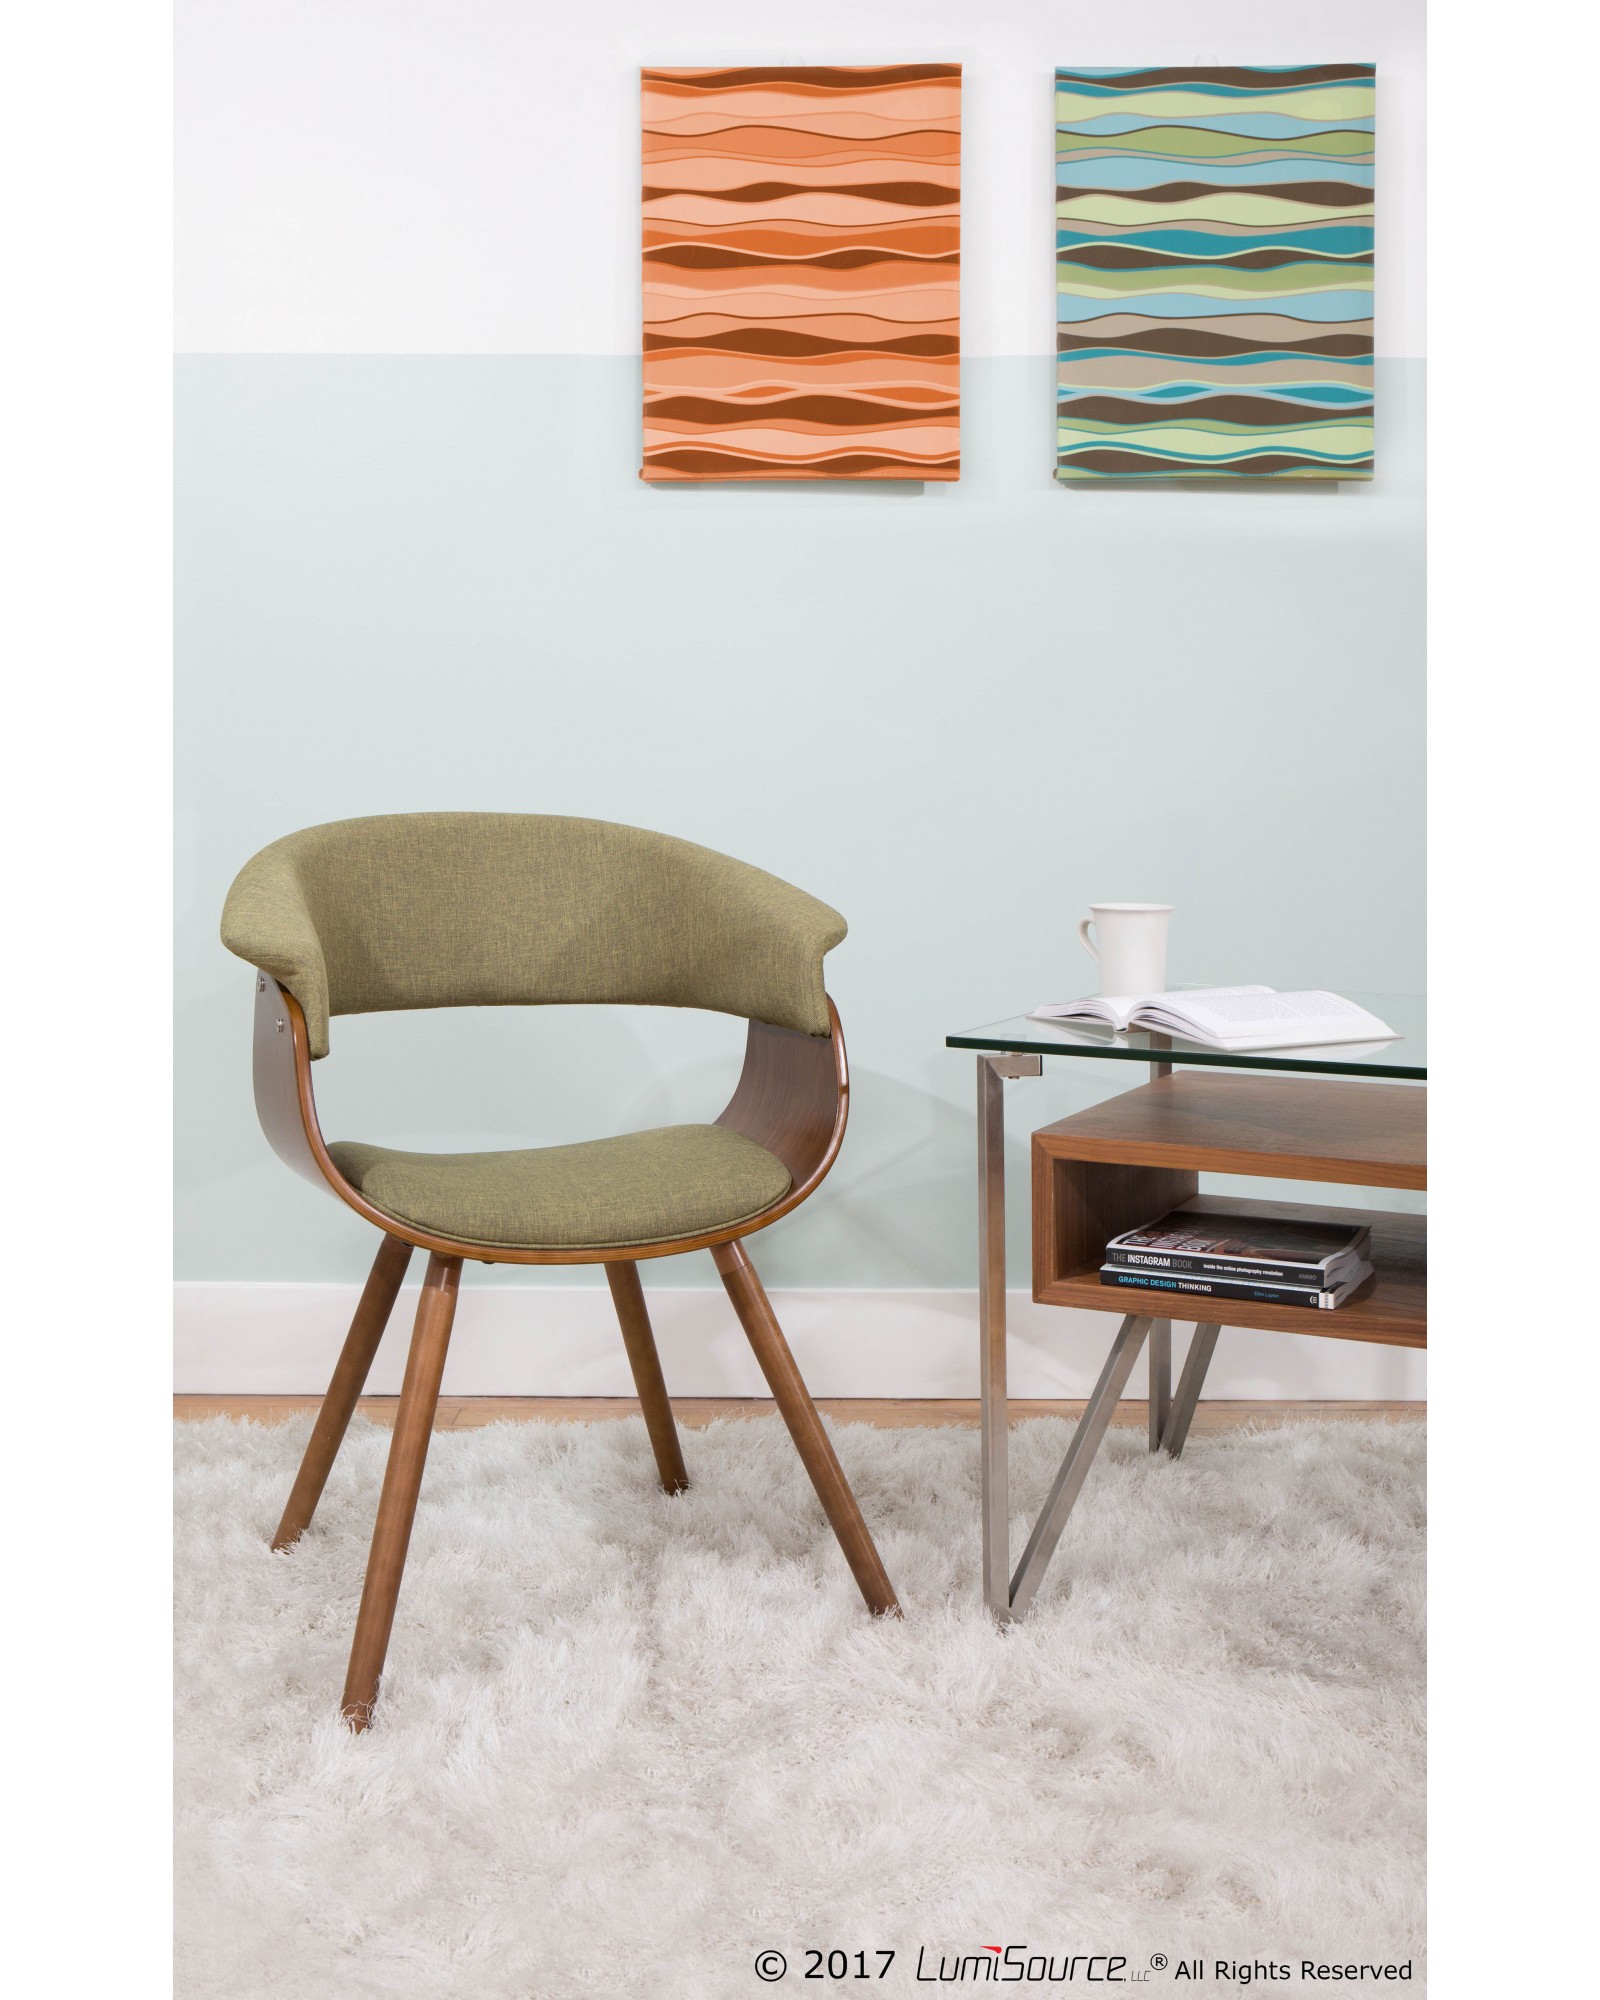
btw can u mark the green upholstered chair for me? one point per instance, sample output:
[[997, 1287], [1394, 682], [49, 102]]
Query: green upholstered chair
[[485, 909]]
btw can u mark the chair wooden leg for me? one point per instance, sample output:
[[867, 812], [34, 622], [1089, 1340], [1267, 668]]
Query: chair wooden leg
[[349, 1379], [627, 1295], [795, 1406], [419, 1398]]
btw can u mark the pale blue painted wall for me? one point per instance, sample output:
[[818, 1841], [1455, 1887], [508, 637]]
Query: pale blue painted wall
[[958, 713]]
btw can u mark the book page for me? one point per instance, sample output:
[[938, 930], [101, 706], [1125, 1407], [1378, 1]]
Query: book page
[[1239, 1010], [1239, 1014], [1175, 1003], [1101, 1012], [1117, 1009]]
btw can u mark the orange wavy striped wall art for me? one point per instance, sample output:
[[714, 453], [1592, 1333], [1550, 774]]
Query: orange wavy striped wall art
[[802, 256]]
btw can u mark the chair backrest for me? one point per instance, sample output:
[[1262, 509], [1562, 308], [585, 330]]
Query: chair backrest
[[410, 910]]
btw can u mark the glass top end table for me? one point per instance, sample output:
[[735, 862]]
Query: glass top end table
[[1404, 1059], [1124, 1162]]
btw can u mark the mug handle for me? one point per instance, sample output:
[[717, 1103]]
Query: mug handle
[[1084, 924]]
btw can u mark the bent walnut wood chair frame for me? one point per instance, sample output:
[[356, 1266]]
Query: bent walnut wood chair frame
[[792, 1098]]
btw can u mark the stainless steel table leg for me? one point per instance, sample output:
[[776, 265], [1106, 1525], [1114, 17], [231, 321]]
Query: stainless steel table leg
[[1160, 1379], [1009, 1596], [992, 1071], [1075, 1466], [994, 1472], [1198, 1360], [1160, 1329]]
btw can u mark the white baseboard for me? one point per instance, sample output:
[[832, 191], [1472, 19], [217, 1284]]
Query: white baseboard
[[282, 1339]]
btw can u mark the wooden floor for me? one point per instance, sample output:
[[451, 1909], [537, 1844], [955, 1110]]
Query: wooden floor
[[464, 1412]]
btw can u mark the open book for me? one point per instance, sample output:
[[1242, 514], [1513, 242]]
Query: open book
[[1229, 1017]]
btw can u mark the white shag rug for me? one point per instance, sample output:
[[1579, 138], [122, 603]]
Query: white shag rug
[[628, 1743]]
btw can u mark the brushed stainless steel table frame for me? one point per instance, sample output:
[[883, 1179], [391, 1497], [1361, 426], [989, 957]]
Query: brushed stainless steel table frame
[[1009, 1594]]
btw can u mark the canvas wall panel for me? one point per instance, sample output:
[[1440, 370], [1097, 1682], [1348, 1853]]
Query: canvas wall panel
[[801, 272], [1214, 233]]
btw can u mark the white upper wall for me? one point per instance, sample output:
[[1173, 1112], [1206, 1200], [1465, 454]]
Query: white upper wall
[[462, 176]]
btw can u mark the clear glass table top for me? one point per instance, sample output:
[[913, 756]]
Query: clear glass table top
[[1404, 1060]]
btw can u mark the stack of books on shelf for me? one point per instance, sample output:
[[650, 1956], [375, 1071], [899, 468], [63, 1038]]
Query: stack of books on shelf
[[1273, 1261]]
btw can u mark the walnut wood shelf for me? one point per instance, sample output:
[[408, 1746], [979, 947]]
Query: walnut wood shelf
[[1128, 1160], [1302, 1128]]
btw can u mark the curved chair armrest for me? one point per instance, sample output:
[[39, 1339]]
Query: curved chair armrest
[[281, 1071], [793, 1097], [287, 1109], [267, 922]]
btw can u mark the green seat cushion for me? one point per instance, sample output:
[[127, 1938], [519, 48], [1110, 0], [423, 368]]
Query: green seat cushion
[[646, 1187]]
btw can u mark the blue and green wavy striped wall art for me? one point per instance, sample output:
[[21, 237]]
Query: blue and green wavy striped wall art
[[1214, 272]]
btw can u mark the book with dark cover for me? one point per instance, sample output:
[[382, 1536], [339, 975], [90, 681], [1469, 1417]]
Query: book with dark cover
[[1163, 1284], [1306, 1276], [1273, 1250]]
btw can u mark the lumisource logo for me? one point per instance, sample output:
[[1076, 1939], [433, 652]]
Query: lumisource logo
[[1020, 1965]]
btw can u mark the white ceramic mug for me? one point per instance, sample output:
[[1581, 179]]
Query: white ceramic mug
[[1129, 945]]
